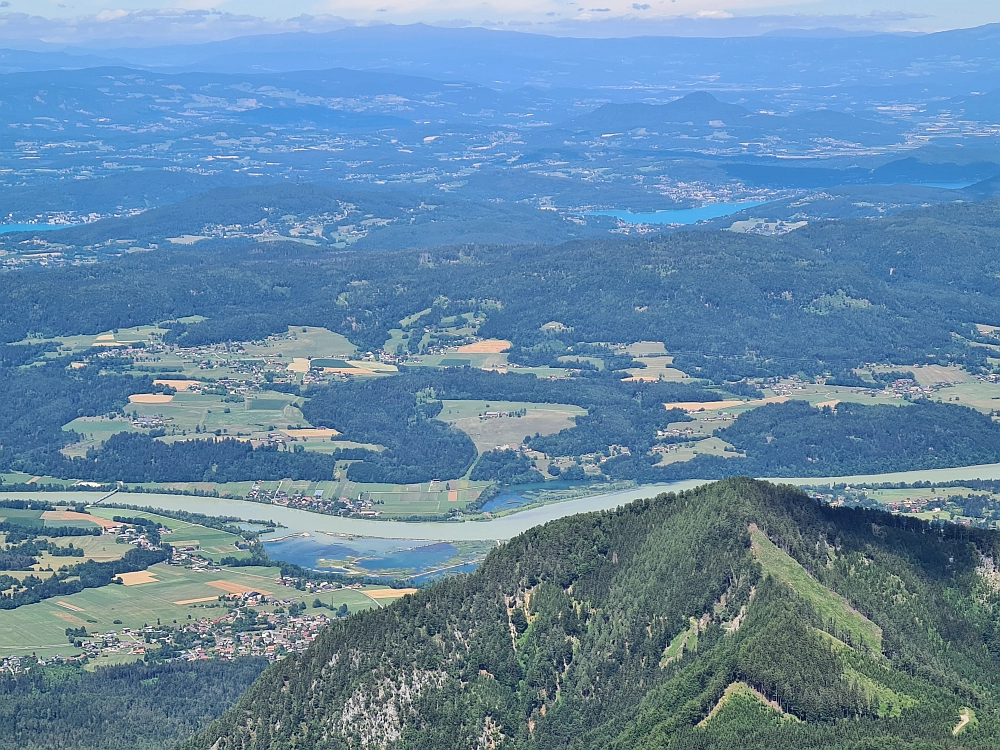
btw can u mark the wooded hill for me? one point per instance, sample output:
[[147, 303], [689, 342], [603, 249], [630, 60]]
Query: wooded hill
[[822, 299], [738, 615]]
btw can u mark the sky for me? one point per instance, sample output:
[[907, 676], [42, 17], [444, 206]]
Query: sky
[[93, 22]]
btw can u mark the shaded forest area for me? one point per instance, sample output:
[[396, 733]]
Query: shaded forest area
[[128, 707]]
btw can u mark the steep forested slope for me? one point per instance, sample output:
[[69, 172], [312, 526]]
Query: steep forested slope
[[737, 615], [124, 707]]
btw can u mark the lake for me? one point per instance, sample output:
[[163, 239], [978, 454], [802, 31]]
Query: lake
[[9, 228], [680, 215], [379, 555]]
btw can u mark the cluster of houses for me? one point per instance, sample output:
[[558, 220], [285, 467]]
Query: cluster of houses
[[314, 586], [137, 536], [241, 631], [283, 634], [316, 502]]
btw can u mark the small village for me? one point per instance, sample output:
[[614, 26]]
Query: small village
[[241, 631]]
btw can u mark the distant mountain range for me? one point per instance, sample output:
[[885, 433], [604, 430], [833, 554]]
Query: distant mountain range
[[957, 61], [700, 113]]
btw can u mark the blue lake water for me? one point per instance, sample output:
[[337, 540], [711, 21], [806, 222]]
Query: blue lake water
[[308, 551], [418, 558], [505, 501], [680, 215], [8, 228], [942, 185], [383, 554]]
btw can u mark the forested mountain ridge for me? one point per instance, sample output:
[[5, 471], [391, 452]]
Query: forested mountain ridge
[[820, 299], [740, 614]]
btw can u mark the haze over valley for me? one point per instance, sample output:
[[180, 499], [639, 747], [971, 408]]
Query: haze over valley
[[561, 380]]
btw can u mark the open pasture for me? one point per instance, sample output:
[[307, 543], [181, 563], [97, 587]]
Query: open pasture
[[433, 498], [657, 369], [887, 496], [93, 431], [480, 360], [931, 375], [85, 343], [256, 415], [99, 548], [302, 342], [42, 518], [188, 415], [489, 432], [980, 395], [648, 349], [709, 446], [818, 393], [31, 518], [827, 603]]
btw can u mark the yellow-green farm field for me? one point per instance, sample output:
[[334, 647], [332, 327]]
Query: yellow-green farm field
[[41, 627], [302, 342]]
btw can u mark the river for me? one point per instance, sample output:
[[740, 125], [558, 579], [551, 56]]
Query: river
[[505, 527]]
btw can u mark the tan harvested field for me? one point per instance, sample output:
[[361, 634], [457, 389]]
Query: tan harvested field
[[324, 433], [138, 578], [389, 593], [71, 619], [178, 385], [150, 398], [67, 605], [201, 600], [235, 588], [704, 405], [69, 515], [719, 405], [831, 404], [489, 346], [299, 364]]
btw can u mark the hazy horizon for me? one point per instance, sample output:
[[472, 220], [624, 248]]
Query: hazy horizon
[[86, 23]]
